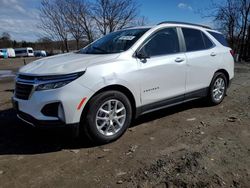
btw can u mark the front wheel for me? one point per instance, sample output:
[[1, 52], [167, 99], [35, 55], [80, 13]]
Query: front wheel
[[108, 116], [218, 88]]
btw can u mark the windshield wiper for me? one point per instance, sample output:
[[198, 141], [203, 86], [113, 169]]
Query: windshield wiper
[[100, 49]]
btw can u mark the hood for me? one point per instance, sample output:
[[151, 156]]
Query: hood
[[65, 63]]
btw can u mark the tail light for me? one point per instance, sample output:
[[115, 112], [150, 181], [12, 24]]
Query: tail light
[[232, 52]]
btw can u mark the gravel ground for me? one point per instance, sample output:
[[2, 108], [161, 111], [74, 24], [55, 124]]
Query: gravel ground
[[190, 145]]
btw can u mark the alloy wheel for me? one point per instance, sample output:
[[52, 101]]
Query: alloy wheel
[[219, 89], [110, 117]]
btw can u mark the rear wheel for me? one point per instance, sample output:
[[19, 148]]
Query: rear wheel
[[218, 88], [108, 116]]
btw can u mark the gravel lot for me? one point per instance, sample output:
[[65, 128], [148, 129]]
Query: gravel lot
[[190, 145]]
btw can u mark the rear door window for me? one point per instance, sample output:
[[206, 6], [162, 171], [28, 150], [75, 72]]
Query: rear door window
[[193, 39], [207, 41]]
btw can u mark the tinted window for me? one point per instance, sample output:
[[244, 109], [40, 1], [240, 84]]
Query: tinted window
[[162, 43], [220, 38], [20, 51], [30, 51], [193, 39], [207, 41], [115, 42]]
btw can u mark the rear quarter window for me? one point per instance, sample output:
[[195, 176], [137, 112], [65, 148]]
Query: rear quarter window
[[207, 41], [219, 37]]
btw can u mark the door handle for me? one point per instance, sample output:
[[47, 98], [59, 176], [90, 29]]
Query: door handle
[[178, 59], [213, 54]]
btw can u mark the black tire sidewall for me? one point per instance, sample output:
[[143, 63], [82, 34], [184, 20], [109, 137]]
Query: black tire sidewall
[[216, 76], [95, 103]]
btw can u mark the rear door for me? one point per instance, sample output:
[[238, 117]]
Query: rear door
[[202, 60]]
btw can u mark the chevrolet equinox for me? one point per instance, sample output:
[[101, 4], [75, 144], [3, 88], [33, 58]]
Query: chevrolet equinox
[[99, 89]]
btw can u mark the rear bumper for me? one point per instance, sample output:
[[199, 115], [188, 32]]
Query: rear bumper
[[43, 123]]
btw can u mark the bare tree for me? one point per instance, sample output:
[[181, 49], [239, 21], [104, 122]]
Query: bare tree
[[52, 21], [232, 18], [140, 21], [78, 19], [228, 18], [111, 15], [6, 36], [5, 40], [248, 44], [245, 15]]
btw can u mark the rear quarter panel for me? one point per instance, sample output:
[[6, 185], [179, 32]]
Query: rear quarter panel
[[228, 63]]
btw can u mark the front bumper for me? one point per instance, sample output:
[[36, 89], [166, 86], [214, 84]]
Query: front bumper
[[43, 123], [69, 97]]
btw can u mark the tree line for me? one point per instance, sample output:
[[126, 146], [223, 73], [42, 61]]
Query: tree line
[[71, 24], [232, 17], [84, 20], [7, 42], [61, 20], [44, 43]]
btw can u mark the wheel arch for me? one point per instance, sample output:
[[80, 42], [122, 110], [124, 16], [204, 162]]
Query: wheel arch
[[225, 73], [115, 87]]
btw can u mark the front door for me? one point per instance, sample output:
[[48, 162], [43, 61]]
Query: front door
[[163, 74]]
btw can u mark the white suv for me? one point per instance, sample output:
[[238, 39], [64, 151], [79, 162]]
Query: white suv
[[101, 88]]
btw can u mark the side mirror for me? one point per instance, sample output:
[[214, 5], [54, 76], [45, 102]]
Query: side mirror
[[141, 55]]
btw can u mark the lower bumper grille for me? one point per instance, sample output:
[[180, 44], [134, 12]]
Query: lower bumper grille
[[39, 123]]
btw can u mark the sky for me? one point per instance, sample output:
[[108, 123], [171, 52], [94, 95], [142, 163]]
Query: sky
[[20, 17]]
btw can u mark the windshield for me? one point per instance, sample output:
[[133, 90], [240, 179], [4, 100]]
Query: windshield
[[115, 42]]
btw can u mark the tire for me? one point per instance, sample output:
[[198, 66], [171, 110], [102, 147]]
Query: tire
[[100, 123], [219, 82], [74, 132]]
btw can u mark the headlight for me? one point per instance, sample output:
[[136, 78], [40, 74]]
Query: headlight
[[51, 85], [53, 82]]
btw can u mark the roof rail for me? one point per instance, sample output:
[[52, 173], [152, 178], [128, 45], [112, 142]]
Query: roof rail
[[184, 23]]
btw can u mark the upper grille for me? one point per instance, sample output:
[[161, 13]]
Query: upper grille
[[26, 77], [23, 91], [26, 83]]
